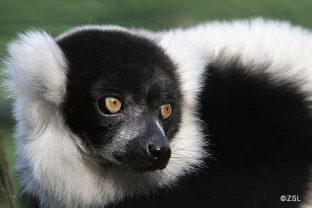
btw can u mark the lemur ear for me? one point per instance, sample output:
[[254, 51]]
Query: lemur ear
[[36, 67]]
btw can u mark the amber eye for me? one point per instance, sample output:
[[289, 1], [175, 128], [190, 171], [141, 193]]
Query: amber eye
[[165, 111], [113, 105]]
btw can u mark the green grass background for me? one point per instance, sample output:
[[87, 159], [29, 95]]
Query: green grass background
[[56, 16]]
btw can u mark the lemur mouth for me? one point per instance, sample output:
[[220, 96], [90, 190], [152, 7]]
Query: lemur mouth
[[144, 169], [150, 168], [118, 158], [143, 166]]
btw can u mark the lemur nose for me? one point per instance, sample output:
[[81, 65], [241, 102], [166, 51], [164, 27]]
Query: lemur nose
[[149, 151], [160, 153]]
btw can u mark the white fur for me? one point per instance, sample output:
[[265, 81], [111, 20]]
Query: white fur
[[286, 48], [256, 41], [37, 66], [48, 159]]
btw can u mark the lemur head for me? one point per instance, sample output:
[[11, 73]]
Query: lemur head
[[101, 114], [123, 98]]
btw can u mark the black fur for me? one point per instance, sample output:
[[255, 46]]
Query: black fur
[[261, 140], [119, 64]]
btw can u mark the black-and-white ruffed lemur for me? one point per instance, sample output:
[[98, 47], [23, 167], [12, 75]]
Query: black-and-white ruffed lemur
[[217, 115]]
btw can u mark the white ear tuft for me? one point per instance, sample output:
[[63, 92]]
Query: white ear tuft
[[36, 67]]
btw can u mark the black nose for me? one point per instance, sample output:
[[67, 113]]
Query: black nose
[[159, 152], [150, 150], [148, 154]]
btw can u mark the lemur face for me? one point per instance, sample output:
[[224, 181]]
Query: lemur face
[[123, 98]]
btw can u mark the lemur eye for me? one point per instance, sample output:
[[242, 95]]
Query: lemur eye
[[113, 105], [165, 111]]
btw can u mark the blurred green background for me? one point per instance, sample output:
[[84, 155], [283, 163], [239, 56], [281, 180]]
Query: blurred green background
[[56, 16]]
